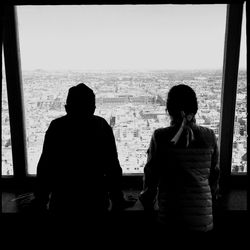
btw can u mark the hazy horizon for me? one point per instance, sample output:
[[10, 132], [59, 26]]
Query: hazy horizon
[[128, 70]]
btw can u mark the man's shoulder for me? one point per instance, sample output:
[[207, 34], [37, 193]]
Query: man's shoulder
[[65, 119], [95, 123], [99, 119], [57, 124], [58, 120]]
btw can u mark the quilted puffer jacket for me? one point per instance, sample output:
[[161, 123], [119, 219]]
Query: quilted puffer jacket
[[182, 179]]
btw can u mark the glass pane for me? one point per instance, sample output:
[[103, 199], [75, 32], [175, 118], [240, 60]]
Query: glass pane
[[44, 97], [239, 154], [7, 164], [130, 55]]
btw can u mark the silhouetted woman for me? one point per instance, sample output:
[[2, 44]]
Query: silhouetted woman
[[182, 171]]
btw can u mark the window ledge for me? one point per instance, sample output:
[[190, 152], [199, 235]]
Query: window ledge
[[234, 200]]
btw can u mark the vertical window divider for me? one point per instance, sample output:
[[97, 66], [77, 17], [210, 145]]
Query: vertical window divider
[[14, 93], [229, 88], [1, 84]]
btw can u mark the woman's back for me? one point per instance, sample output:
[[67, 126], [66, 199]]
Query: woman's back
[[184, 191], [182, 170]]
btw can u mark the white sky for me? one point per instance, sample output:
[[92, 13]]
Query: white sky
[[123, 37]]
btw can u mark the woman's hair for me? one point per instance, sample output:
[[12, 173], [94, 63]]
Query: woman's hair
[[181, 98]]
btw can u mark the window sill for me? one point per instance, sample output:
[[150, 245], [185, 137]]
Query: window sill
[[235, 200]]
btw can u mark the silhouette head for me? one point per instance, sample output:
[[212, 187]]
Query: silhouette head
[[181, 98], [80, 101]]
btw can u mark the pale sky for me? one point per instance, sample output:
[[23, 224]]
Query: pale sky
[[108, 37]]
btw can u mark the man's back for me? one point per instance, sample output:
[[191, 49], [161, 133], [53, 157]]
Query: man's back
[[73, 164], [79, 172]]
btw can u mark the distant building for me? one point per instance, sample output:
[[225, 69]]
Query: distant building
[[112, 121]]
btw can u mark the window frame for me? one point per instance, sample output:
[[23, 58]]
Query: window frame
[[228, 95], [15, 95]]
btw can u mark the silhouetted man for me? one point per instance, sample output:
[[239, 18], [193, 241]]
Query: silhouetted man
[[79, 171]]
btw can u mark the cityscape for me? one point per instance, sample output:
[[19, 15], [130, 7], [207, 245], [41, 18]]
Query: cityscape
[[132, 102]]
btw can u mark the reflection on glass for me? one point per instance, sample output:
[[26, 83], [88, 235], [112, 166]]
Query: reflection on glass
[[7, 164]]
